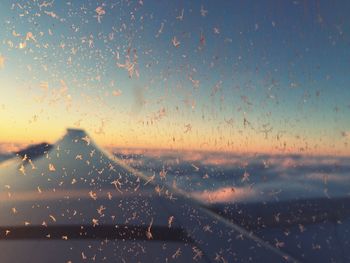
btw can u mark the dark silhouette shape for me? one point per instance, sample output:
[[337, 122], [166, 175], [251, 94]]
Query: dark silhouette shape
[[112, 232], [34, 151]]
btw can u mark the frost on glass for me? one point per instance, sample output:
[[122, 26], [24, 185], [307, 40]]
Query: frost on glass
[[200, 131]]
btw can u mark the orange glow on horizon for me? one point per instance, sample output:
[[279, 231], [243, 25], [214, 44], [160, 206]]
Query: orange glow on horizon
[[254, 144]]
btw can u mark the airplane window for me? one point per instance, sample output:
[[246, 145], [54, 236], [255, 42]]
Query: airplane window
[[174, 131]]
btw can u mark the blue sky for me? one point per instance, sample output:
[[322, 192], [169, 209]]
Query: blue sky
[[278, 64]]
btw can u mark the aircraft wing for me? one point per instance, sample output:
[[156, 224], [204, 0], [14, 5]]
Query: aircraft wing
[[77, 203]]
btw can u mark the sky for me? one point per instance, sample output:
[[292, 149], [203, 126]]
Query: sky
[[237, 76]]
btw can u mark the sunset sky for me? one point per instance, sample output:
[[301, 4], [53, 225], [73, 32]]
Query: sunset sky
[[240, 76]]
